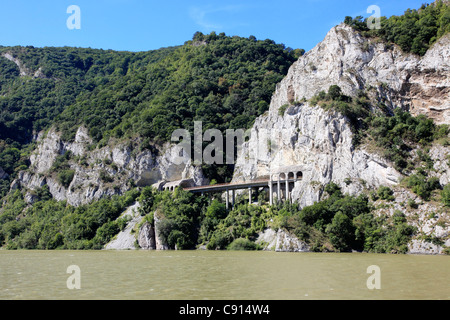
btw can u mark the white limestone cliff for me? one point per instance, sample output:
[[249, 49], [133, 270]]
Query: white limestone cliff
[[320, 144], [316, 141], [391, 76], [319, 141], [122, 162]]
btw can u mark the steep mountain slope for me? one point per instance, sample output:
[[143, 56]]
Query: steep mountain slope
[[301, 131], [320, 140], [84, 134], [81, 127], [388, 75], [123, 96]]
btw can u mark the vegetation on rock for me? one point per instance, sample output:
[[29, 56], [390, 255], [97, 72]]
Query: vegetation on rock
[[414, 31], [226, 82]]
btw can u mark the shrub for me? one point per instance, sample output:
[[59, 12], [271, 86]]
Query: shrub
[[334, 92], [219, 240], [283, 109], [422, 186], [374, 195], [385, 193], [412, 204], [106, 232], [62, 161], [243, 244], [341, 232], [105, 177], [65, 177], [44, 193], [216, 210], [414, 31], [399, 133], [178, 239], [446, 195]]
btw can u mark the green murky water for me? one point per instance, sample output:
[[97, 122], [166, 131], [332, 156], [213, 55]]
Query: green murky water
[[220, 275]]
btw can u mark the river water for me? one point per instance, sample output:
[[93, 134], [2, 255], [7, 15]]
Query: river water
[[220, 275]]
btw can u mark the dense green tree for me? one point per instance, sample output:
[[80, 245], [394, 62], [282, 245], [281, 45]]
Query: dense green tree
[[226, 82], [422, 185], [385, 193], [414, 31], [50, 224], [446, 195]]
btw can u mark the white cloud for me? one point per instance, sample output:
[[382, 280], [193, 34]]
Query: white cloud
[[200, 16]]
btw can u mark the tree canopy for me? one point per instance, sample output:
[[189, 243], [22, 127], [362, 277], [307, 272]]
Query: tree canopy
[[224, 81], [414, 31]]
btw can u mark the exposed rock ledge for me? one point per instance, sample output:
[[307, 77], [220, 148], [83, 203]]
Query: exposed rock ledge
[[145, 237], [103, 171], [389, 75], [23, 70], [126, 239], [280, 241], [295, 133], [320, 144]]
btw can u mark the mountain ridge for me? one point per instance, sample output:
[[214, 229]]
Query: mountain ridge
[[330, 111]]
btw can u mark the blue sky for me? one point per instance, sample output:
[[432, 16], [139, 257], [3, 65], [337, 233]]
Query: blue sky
[[140, 25]]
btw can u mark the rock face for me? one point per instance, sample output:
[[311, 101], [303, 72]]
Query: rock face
[[320, 142], [149, 235], [353, 62], [104, 171], [431, 222], [294, 133], [441, 159], [317, 142], [23, 70], [126, 239], [280, 241], [146, 238]]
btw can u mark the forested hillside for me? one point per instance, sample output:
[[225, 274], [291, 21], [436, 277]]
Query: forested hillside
[[118, 93], [226, 82]]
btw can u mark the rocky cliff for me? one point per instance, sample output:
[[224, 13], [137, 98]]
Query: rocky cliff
[[318, 142], [295, 132], [97, 172], [280, 241], [23, 70], [321, 141], [389, 75], [138, 234]]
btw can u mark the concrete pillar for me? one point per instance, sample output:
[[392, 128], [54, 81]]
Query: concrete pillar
[[279, 189], [227, 199], [271, 191], [250, 195], [287, 186]]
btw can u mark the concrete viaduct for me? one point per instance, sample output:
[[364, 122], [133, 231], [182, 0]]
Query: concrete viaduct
[[282, 181]]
